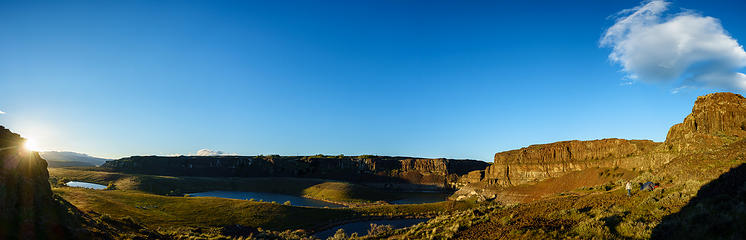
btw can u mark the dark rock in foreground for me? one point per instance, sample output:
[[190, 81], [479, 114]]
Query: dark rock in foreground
[[27, 207]]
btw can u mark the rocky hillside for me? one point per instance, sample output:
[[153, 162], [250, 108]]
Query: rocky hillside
[[542, 161], [702, 193], [376, 169], [25, 194], [30, 210], [716, 120], [539, 162], [71, 159]]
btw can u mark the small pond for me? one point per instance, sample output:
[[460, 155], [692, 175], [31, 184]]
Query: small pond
[[268, 197], [85, 185], [361, 228]]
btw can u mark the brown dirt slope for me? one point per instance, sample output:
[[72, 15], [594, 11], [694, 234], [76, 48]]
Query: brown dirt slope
[[568, 183], [537, 162]]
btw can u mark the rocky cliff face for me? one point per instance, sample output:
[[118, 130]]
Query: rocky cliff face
[[381, 169], [30, 210], [26, 199], [538, 162], [716, 119]]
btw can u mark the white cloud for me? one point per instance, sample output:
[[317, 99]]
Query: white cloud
[[687, 48], [1, 112], [208, 152]]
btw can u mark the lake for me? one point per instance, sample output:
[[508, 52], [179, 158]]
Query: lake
[[268, 197], [85, 185], [362, 227]]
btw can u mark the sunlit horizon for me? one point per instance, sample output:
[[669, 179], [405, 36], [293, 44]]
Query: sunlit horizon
[[451, 80]]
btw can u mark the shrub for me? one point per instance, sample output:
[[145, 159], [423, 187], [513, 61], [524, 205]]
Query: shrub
[[339, 235], [376, 229]]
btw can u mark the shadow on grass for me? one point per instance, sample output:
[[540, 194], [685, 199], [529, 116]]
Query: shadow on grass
[[612, 222], [717, 212]]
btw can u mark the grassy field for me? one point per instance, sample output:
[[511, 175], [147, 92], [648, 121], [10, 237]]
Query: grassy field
[[167, 211], [335, 191], [346, 192], [158, 202]]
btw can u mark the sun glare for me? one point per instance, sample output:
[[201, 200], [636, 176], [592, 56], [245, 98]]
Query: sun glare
[[30, 145]]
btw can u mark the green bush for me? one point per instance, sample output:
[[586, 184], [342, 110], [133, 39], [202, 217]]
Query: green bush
[[376, 229], [339, 235]]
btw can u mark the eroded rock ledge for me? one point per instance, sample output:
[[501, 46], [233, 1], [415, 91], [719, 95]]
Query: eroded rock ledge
[[539, 162], [716, 120], [439, 172]]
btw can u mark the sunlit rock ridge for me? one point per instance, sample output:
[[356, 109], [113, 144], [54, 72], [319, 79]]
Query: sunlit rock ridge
[[716, 120], [437, 172]]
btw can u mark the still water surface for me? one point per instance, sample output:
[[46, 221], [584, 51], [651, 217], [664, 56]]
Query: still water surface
[[85, 185]]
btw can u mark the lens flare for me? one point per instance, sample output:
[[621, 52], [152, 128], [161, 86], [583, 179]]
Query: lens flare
[[30, 145]]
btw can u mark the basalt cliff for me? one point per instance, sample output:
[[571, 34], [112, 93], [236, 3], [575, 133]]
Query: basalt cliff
[[439, 173], [25, 194], [30, 210], [716, 120], [539, 162]]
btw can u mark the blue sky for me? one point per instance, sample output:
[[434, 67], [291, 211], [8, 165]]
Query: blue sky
[[411, 78]]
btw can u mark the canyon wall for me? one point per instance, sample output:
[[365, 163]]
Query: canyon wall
[[716, 119], [439, 172], [538, 162]]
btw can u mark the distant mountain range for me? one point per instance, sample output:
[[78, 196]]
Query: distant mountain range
[[71, 159]]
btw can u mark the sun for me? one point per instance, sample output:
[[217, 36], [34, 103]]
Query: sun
[[30, 145]]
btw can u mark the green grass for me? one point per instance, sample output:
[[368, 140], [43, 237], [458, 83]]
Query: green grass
[[145, 199], [346, 192], [166, 211], [168, 185], [156, 210]]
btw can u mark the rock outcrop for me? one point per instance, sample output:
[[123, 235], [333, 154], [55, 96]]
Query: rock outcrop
[[716, 119], [26, 201], [374, 169], [538, 162], [30, 210]]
